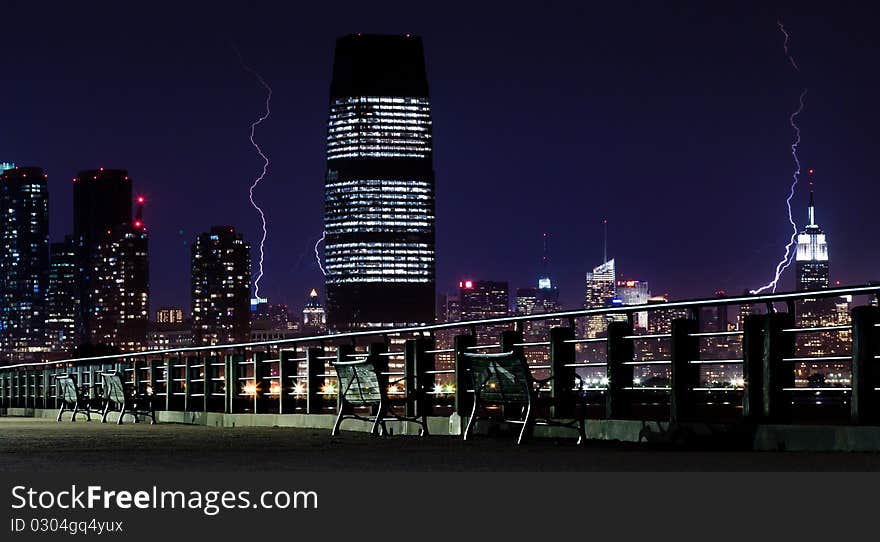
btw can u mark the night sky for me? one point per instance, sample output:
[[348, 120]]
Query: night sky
[[670, 120]]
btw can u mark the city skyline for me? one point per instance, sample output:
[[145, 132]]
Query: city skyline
[[741, 238]]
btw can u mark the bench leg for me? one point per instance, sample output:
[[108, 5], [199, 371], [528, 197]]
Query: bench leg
[[60, 412], [527, 424], [106, 412], [470, 424], [374, 430], [338, 423], [582, 432], [121, 414], [75, 411], [424, 431]]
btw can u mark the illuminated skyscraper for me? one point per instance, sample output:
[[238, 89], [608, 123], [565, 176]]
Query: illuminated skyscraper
[[314, 316], [812, 269], [379, 186], [24, 262], [221, 271], [101, 203], [811, 257], [120, 302], [601, 288], [62, 303], [484, 299]]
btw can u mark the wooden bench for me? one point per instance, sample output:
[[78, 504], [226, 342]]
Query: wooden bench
[[362, 384], [76, 399], [120, 398], [504, 380]]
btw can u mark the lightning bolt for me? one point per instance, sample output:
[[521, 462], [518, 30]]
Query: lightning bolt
[[262, 174], [788, 257], [318, 255]]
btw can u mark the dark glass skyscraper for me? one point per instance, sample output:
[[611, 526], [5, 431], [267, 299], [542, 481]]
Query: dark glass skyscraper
[[221, 274], [101, 204], [379, 187], [24, 261]]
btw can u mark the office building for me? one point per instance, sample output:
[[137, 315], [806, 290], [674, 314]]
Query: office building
[[169, 315], [481, 299], [314, 318], [379, 186], [102, 202]]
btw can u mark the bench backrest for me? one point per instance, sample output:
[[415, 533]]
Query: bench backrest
[[359, 382], [113, 389], [67, 388], [501, 378]]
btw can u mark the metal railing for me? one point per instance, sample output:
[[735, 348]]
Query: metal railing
[[668, 382]]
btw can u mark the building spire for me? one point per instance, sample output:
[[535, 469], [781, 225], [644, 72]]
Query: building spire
[[546, 258], [605, 240], [812, 209]]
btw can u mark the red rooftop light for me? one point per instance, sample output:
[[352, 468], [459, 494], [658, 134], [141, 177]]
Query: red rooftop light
[[140, 199]]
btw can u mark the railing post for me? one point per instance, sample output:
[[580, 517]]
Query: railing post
[[753, 366], [187, 382], [508, 341], [169, 381], [415, 363], [865, 343], [285, 368], [259, 382], [685, 374], [562, 374], [154, 375], [778, 374], [463, 399], [314, 367], [620, 376]]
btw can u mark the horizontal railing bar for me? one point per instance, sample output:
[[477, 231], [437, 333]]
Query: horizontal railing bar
[[590, 340], [483, 346], [649, 336], [589, 364], [714, 333], [440, 351], [653, 362], [391, 354], [818, 389], [815, 328], [440, 372], [647, 388], [719, 388], [534, 343], [714, 361], [818, 358], [693, 303]]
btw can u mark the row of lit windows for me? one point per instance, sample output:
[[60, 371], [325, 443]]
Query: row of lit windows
[[355, 280]]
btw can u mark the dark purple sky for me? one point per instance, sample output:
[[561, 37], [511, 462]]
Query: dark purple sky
[[672, 121]]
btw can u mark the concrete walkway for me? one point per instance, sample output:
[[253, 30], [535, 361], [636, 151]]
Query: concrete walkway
[[40, 444]]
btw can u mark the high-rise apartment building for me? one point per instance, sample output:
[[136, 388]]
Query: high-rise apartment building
[[120, 288], [62, 297], [24, 262], [221, 271], [379, 186]]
